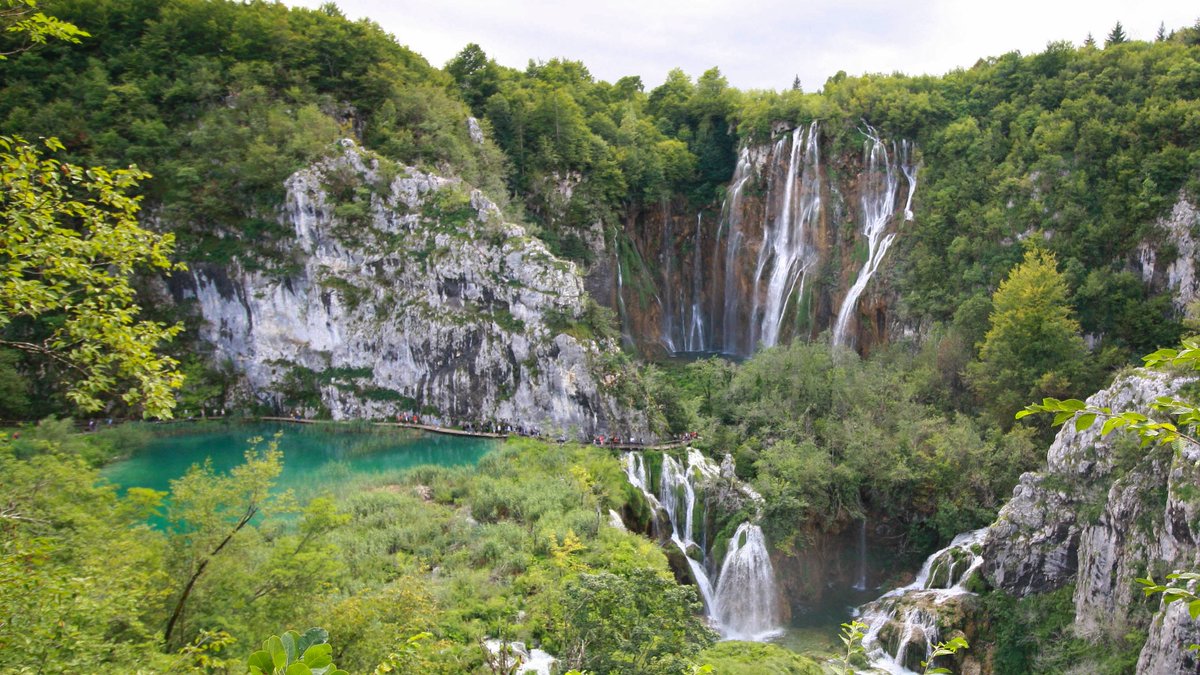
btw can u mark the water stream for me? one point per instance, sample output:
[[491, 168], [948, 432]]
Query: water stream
[[878, 185], [742, 603], [902, 623]]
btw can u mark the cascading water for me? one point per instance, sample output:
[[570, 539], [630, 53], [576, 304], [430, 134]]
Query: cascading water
[[745, 599], [902, 623], [623, 314], [878, 188], [742, 605], [786, 248], [694, 341], [731, 224], [668, 301]]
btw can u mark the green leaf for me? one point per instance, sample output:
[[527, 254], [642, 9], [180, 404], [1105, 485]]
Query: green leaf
[[318, 656], [289, 640], [1021, 414], [1074, 404], [261, 660], [1194, 609], [298, 669], [1085, 421], [274, 646], [1062, 417], [313, 636]]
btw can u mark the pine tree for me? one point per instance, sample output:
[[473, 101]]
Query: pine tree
[[1162, 32], [1116, 36], [796, 84], [1089, 41]]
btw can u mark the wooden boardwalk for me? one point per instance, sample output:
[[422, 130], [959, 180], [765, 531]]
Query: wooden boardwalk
[[478, 434]]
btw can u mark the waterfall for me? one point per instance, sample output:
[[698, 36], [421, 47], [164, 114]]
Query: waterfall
[[742, 603], [878, 188], [731, 223], [745, 600], [905, 618], [622, 313], [667, 302], [694, 341], [860, 583], [786, 246]]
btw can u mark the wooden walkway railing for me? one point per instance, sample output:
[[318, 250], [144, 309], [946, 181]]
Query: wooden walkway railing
[[479, 434]]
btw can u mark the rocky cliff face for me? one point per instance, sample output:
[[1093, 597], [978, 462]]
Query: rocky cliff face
[[791, 252], [1168, 261], [1103, 513], [409, 292]]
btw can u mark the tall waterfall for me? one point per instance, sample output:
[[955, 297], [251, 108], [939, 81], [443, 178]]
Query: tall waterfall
[[742, 604], [667, 302], [902, 624], [878, 189], [695, 340], [731, 225], [786, 247]]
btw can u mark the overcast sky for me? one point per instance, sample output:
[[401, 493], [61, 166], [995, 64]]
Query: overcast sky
[[757, 43]]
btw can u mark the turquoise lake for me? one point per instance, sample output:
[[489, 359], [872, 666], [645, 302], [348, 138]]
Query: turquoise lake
[[316, 457]]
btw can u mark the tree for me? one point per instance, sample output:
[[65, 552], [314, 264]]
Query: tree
[[69, 244], [32, 28], [1162, 32], [796, 84], [1033, 347], [208, 513], [1089, 41], [1116, 36]]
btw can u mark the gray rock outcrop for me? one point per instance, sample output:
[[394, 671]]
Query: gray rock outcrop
[[410, 291], [1104, 513]]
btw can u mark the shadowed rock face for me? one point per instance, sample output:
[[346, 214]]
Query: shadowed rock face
[[407, 291], [1102, 514]]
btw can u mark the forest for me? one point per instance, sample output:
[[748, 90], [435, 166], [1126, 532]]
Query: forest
[[1044, 177]]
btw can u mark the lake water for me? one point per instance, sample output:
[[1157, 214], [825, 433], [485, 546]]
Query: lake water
[[316, 457]]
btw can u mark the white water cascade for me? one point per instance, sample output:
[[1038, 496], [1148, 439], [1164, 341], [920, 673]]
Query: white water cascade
[[742, 603], [787, 249], [879, 183], [745, 600], [905, 619], [694, 340], [731, 225]]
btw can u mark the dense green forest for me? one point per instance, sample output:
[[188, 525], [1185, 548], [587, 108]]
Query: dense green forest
[[1041, 175]]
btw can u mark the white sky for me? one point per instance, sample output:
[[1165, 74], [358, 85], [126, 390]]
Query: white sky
[[757, 43]]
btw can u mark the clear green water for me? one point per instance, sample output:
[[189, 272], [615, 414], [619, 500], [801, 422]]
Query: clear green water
[[316, 458]]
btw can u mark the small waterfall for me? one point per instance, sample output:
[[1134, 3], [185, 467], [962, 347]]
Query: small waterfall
[[695, 341], [745, 600], [902, 623], [622, 313], [860, 582], [878, 188], [742, 604]]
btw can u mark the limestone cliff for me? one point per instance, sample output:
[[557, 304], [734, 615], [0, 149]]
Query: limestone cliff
[[1103, 513], [408, 291]]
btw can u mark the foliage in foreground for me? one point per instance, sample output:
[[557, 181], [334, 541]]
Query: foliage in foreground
[[517, 548]]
